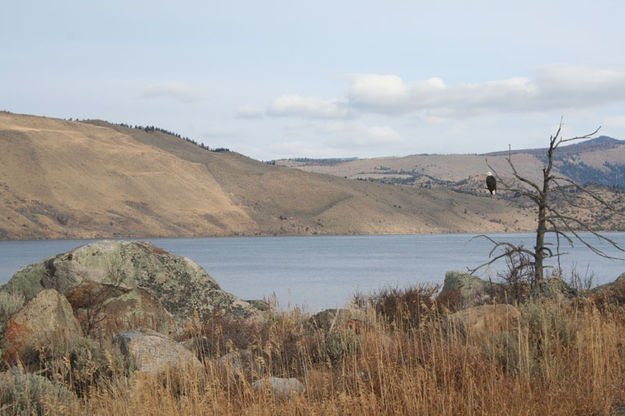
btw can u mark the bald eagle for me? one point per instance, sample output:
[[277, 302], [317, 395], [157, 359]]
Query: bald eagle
[[491, 183]]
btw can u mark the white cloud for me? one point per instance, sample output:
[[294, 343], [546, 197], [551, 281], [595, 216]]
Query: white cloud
[[553, 87], [247, 111], [307, 107], [388, 94], [173, 90]]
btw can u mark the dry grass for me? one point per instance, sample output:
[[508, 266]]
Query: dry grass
[[556, 360], [103, 180]]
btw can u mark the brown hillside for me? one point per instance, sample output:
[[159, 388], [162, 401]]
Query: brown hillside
[[65, 179]]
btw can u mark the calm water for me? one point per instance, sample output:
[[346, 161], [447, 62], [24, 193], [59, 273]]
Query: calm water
[[325, 271]]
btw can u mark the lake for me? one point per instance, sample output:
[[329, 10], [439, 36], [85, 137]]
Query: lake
[[325, 271]]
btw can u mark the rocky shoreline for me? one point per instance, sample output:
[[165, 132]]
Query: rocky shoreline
[[148, 304]]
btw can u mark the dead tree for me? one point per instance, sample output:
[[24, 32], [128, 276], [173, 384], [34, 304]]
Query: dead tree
[[550, 219]]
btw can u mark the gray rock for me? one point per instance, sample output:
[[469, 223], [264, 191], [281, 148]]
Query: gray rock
[[260, 304], [46, 320], [152, 353], [462, 290], [330, 319], [282, 388], [237, 360], [555, 288], [179, 284]]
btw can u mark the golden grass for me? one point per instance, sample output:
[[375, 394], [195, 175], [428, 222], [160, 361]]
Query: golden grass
[[67, 179], [556, 360]]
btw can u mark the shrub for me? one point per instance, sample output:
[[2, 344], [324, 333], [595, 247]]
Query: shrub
[[341, 344], [10, 303], [30, 394], [403, 308]]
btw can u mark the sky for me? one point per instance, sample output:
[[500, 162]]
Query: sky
[[281, 79]]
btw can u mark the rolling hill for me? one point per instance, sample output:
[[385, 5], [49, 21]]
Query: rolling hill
[[93, 179]]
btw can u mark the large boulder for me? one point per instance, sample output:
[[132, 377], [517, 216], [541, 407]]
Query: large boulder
[[462, 290], [47, 319], [102, 316], [110, 269], [150, 352]]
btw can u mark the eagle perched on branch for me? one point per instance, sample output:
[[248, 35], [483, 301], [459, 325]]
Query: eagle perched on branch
[[491, 183]]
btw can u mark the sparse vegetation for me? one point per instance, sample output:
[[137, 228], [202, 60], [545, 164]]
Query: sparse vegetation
[[557, 359]]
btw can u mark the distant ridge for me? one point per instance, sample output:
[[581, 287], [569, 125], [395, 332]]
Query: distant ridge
[[598, 161], [598, 143]]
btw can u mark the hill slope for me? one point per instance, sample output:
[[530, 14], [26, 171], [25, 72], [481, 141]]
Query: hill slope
[[65, 179], [600, 161]]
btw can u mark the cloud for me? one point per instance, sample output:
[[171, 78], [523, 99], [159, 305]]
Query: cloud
[[250, 112], [388, 94], [307, 107], [553, 87], [173, 90]]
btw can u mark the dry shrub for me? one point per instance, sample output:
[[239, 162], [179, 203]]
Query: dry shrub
[[403, 308], [31, 394], [560, 359]]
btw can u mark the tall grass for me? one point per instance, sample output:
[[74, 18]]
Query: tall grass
[[554, 360]]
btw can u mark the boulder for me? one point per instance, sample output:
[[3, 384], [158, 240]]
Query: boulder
[[260, 304], [102, 314], [462, 290], [481, 322], [555, 288], [612, 293], [150, 352], [237, 360], [119, 267], [46, 320], [330, 319], [281, 388]]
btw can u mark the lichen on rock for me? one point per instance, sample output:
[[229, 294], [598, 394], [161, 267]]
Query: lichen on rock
[[104, 270]]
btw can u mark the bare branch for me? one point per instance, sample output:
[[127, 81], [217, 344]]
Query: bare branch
[[590, 193], [586, 136], [566, 220], [509, 248]]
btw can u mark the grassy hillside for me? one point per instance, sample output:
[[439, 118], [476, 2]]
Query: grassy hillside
[[69, 179], [600, 161]]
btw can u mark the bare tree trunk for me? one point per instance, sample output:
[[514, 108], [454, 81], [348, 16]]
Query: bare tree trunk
[[539, 249], [543, 201]]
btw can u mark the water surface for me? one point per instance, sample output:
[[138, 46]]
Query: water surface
[[325, 271]]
